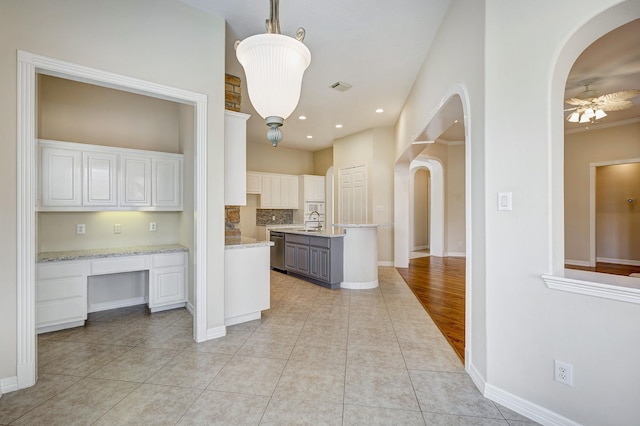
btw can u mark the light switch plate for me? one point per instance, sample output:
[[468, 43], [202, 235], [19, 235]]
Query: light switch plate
[[505, 201]]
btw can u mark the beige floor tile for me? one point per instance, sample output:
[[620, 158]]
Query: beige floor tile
[[451, 393], [81, 403], [15, 404], [356, 415], [433, 355], [268, 344], [281, 324], [137, 365], [249, 375], [320, 351], [190, 369], [379, 387], [312, 381], [228, 344], [84, 360], [89, 333], [451, 420], [151, 405], [176, 338], [375, 356], [296, 412], [222, 408], [513, 417], [50, 350]]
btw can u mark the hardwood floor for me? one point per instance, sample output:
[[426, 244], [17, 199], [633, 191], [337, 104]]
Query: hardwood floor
[[439, 284], [608, 268]]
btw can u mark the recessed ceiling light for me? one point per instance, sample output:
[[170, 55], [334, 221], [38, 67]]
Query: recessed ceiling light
[[379, 110], [302, 117], [309, 137], [455, 121], [338, 126]]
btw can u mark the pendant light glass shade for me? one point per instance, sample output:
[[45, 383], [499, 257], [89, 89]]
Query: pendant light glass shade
[[274, 65], [574, 117], [600, 114]]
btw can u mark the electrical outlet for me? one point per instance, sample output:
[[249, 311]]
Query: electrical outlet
[[563, 372], [153, 227], [273, 218], [80, 229], [117, 228]]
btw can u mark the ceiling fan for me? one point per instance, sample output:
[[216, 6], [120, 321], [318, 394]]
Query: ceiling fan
[[589, 106]]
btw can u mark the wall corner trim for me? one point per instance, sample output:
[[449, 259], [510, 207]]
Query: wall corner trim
[[214, 333], [8, 384]]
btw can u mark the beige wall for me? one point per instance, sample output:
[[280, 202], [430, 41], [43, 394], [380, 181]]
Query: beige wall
[[85, 113], [421, 197], [374, 149], [617, 219], [581, 149], [322, 161], [111, 36], [455, 237], [262, 157], [186, 224]]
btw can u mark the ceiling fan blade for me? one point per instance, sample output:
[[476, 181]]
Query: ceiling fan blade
[[577, 102], [615, 105], [622, 95]]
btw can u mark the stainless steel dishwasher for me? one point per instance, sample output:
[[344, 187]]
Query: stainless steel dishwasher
[[277, 250]]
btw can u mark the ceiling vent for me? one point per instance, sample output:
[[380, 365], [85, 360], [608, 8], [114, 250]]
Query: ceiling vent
[[341, 86]]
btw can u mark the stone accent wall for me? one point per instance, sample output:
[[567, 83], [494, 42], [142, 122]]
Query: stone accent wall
[[231, 224], [266, 216], [232, 94]]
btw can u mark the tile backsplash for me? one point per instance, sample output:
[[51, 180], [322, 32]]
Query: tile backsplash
[[274, 216]]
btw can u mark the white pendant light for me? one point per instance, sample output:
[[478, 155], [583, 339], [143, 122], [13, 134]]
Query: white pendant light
[[274, 65], [600, 114], [574, 117]]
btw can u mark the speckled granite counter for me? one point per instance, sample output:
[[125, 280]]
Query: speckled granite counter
[[245, 242], [324, 233], [58, 256]]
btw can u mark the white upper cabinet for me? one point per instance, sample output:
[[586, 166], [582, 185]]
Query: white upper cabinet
[[167, 183], [313, 187], [60, 178], [83, 177], [279, 191], [99, 182], [135, 180], [235, 158], [254, 183]]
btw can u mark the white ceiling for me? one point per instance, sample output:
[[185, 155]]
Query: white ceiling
[[378, 46], [613, 64]]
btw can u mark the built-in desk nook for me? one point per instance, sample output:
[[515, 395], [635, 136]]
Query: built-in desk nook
[[62, 279]]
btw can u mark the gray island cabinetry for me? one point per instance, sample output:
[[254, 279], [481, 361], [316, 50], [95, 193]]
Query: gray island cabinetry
[[318, 258]]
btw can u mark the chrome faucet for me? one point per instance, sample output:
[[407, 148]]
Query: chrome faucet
[[318, 224]]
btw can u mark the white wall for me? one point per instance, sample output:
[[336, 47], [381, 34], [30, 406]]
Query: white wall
[[495, 49], [529, 325], [128, 37], [455, 238]]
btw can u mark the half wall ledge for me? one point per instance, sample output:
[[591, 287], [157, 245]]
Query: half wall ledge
[[606, 286]]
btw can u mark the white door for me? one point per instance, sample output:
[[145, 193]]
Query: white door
[[353, 195]]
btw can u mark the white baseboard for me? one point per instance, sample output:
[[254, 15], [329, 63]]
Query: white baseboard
[[8, 384], [214, 333], [416, 248], [618, 261], [455, 254], [242, 318], [475, 375], [577, 262], [385, 262], [526, 408], [191, 309], [105, 306]]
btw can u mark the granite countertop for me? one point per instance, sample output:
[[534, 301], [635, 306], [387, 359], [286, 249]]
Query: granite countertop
[[360, 225], [324, 233], [58, 256], [289, 225], [245, 242]]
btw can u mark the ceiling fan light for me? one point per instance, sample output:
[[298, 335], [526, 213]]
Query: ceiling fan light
[[589, 113], [574, 117], [584, 118], [600, 114]]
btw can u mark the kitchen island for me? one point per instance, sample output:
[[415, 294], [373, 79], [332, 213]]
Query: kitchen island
[[316, 256]]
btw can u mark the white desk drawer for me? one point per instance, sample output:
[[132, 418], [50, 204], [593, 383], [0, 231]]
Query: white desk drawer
[[47, 271], [59, 312], [115, 265], [168, 259], [60, 288]]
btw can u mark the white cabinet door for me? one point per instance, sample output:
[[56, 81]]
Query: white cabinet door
[[167, 281], [313, 188], [235, 158], [289, 192], [61, 178], [254, 183], [99, 183], [167, 183], [135, 181], [270, 191]]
